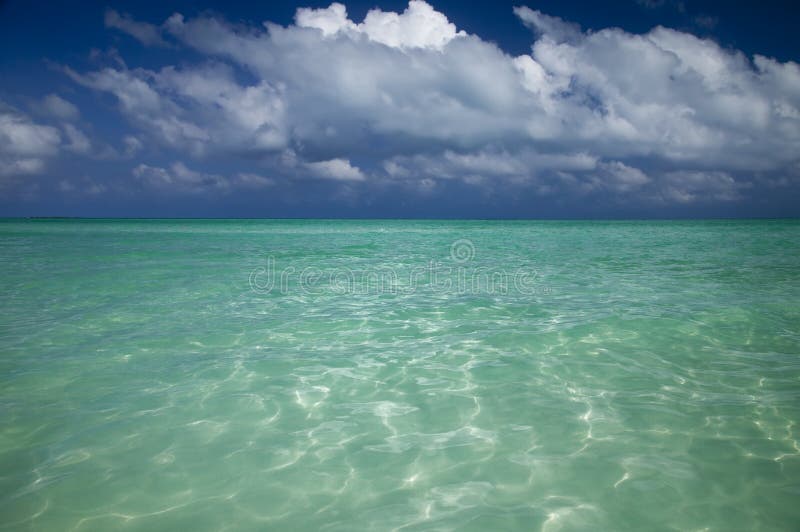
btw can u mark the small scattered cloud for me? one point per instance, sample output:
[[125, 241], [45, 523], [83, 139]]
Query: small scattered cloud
[[694, 186], [623, 178], [678, 5], [84, 186], [547, 26], [57, 107], [250, 180], [179, 178], [132, 145], [338, 169], [147, 34], [25, 146], [706, 22], [77, 141]]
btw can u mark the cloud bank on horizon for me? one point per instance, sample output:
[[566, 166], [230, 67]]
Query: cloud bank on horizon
[[408, 102]]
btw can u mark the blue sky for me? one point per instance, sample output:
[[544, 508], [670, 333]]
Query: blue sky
[[639, 108]]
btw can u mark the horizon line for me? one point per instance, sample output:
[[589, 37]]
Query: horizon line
[[401, 218]]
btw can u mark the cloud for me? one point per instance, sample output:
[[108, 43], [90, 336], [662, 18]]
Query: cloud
[[707, 22], [419, 26], [547, 26], [197, 109], [411, 98], [339, 169], [622, 177], [147, 34], [24, 145], [487, 166], [77, 141], [249, 180], [651, 4], [178, 177], [689, 187], [57, 107], [132, 145], [678, 5], [329, 21], [81, 187]]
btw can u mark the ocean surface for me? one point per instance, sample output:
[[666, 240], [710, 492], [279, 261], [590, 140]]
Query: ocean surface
[[399, 375]]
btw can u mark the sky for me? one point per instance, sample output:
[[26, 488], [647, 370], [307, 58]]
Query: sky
[[384, 109]]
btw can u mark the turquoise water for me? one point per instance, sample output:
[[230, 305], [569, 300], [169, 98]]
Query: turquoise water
[[376, 375]]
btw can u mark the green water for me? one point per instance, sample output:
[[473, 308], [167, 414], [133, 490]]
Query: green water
[[399, 375]]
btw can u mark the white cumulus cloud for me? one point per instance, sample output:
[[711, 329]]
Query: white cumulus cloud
[[419, 26], [661, 116]]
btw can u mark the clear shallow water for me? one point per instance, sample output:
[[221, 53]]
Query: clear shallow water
[[641, 375]]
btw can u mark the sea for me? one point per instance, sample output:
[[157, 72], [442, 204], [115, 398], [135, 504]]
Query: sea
[[399, 375]]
